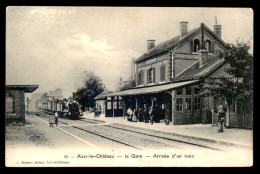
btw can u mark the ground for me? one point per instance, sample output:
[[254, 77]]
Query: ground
[[115, 142]]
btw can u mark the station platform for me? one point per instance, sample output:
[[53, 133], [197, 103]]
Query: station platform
[[203, 132]]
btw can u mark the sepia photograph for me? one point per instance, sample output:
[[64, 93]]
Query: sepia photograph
[[104, 86]]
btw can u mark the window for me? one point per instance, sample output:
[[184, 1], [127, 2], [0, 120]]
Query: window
[[151, 75], [196, 90], [197, 104], [9, 104], [179, 105], [140, 78], [188, 104], [196, 45], [179, 91], [115, 104], [108, 98], [162, 73], [109, 105], [120, 106], [188, 90], [208, 45]]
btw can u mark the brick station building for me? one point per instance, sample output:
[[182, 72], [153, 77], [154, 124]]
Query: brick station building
[[169, 74], [15, 102]]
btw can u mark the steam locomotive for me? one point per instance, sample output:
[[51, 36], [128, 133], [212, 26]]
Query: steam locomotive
[[66, 108]]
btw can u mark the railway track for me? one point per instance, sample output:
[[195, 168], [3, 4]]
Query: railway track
[[43, 114], [171, 140]]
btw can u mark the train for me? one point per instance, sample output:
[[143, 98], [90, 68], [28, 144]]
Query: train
[[66, 108]]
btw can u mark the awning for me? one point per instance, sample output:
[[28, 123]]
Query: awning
[[151, 89], [26, 88]]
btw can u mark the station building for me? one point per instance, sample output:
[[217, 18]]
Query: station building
[[15, 102], [169, 74]]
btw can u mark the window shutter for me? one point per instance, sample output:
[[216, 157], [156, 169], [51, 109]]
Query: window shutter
[[148, 76], [153, 75], [191, 46], [162, 73], [142, 77], [139, 78]]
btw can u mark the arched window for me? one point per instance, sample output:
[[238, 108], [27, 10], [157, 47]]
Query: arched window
[[208, 45], [9, 104], [196, 45]]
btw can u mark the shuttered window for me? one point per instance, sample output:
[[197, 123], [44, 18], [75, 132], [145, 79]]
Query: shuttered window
[[151, 75], [162, 73]]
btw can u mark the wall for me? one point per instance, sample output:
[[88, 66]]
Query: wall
[[186, 116], [155, 62], [19, 106], [101, 103]]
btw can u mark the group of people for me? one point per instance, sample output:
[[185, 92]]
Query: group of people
[[146, 114]]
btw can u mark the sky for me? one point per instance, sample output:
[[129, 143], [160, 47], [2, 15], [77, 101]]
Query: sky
[[53, 46]]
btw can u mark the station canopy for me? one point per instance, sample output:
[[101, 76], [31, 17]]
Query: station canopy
[[148, 90], [26, 88]]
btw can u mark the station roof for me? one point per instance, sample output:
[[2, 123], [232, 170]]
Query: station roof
[[148, 90], [26, 88]]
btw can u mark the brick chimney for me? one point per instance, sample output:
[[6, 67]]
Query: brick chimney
[[203, 57], [217, 28], [183, 28], [150, 44]]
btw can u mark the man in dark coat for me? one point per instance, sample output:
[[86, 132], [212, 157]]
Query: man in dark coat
[[146, 114], [221, 116]]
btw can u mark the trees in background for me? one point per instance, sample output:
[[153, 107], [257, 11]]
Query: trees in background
[[237, 86], [93, 86]]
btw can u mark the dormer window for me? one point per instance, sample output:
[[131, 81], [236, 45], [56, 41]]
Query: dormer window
[[196, 45]]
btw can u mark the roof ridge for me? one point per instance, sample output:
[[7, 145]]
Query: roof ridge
[[177, 38]]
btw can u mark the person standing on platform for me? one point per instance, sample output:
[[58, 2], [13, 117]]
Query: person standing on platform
[[56, 118], [221, 116]]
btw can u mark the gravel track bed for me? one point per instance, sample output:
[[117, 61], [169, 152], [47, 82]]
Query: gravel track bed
[[131, 138]]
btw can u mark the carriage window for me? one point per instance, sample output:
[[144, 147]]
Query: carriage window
[[9, 104]]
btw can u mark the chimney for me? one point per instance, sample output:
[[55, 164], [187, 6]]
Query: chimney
[[217, 28], [183, 28], [150, 44], [203, 57]]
